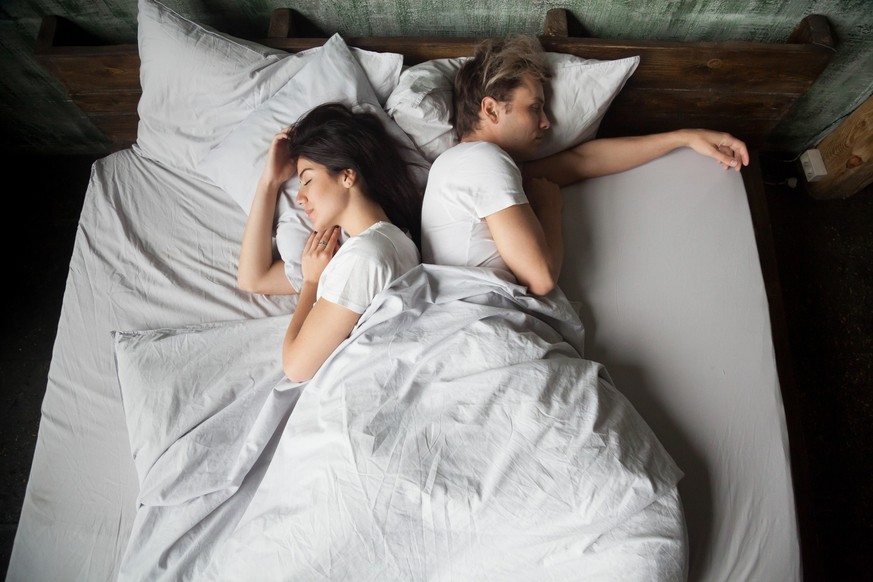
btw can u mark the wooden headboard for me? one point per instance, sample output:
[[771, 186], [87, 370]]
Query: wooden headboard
[[744, 88]]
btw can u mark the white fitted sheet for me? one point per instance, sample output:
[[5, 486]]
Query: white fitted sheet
[[661, 260]]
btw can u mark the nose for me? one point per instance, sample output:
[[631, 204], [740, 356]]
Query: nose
[[544, 120], [300, 197]]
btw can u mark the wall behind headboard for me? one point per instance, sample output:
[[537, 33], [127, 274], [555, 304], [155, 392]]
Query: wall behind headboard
[[37, 116]]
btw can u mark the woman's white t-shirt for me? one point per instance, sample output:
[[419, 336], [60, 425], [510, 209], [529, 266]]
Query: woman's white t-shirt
[[365, 265], [467, 183]]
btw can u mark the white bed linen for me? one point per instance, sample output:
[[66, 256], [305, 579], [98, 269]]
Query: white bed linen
[[662, 261], [153, 249], [457, 433]]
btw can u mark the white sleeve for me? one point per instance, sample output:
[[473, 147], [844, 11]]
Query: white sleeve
[[492, 181], [352, 279]]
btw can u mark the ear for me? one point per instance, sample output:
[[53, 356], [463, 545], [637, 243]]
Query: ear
[[349, 177], [490, 109]]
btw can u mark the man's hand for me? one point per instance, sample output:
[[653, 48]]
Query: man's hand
[[729, 151]]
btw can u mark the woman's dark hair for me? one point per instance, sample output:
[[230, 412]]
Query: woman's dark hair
[[335, 136]]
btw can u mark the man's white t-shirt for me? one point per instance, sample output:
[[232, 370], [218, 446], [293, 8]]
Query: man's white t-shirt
[[467, 183], [365, 265]]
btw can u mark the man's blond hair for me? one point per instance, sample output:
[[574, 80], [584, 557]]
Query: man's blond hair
[[497, 68]]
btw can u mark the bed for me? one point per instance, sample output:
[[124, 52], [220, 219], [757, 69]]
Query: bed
[[633, 425]]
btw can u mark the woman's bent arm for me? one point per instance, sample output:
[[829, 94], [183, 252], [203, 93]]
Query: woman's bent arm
[[317, 328], [258, 271]]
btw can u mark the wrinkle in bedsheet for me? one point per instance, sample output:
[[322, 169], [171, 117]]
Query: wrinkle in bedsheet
[[458, 430]]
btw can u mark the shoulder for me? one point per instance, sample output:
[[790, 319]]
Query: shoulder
[[382, 243], [474, 155]]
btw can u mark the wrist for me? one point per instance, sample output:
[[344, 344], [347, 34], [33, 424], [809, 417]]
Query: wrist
[[270, 185], [682, 138]]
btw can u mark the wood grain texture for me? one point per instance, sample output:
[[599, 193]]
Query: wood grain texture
[[745, 88], [847, 153]]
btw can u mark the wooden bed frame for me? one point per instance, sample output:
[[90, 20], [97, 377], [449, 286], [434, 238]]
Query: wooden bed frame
[[745, 88]]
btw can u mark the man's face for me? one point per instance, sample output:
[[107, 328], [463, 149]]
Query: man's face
[[523, 121]]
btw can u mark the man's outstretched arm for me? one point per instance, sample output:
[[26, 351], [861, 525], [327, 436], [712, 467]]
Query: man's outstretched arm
[[601, 157]]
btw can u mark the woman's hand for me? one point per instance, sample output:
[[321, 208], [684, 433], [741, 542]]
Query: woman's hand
[[280, 165], [729, 151], [320, 249], [259, 271]]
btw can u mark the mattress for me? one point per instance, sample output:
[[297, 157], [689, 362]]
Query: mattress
[[660, 262]]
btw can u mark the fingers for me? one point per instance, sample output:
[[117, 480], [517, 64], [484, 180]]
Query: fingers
[[332, 241], [318, 252], [311, 242], [731, 152], [326, 240]]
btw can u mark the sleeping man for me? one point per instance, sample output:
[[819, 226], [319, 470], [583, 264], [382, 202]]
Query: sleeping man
[[490, 202]]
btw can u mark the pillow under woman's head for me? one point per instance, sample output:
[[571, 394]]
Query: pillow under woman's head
[[198, 83], [235, 164]]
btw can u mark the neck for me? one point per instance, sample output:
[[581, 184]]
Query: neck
[[362, 216], [477, 135]]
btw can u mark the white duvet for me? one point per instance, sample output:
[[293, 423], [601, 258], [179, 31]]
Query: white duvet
[[458, 434]]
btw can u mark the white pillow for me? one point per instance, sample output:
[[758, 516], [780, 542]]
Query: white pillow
[[179, 382], [235, 165], [577, 96], [197, 83]]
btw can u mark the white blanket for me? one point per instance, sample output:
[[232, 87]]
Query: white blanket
[[457, 434]]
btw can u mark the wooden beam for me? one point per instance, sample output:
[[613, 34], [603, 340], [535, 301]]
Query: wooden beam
[[744, 88], [848, 156], [814, 29], [556, 23]]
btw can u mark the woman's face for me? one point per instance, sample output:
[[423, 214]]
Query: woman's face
[[324, 197]]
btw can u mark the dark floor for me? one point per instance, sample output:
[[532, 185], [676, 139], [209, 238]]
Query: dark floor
[[824, 252]]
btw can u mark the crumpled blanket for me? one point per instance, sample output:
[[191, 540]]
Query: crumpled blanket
[[457, 434]]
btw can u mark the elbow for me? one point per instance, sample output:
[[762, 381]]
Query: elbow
[[248, 283], [295, 375], [244, 284], [540, 283], [297, 369], [542, 286]]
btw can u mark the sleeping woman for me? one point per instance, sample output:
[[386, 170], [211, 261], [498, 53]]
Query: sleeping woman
[[352, 177]]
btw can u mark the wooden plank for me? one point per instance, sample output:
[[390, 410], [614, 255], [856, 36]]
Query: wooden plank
[[114, 103], [753, 179], [848, 156], [95, 70], [119, 128], [730, 65], [556, 23], [741, 87], [751, 117], [814, 29]]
